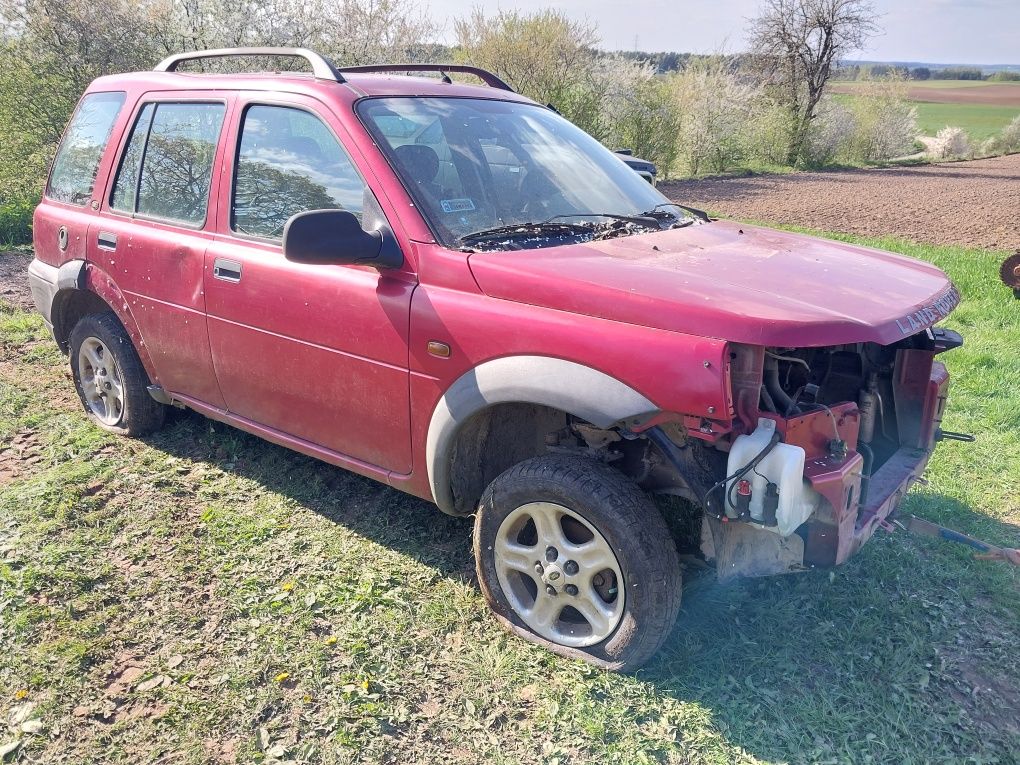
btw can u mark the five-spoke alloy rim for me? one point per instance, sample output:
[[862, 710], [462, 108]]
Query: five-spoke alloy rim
[[560, 574], [101, 381]]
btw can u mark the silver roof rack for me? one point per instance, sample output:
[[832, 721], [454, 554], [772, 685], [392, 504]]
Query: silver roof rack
[[482, 74], [322, 67]]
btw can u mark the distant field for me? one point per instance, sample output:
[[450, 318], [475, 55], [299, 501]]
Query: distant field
[[980, 108], [979, 120]]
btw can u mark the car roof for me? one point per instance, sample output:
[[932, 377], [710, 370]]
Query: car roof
[[356, 84]]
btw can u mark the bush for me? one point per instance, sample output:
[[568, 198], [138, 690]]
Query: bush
[[766, 134], [636, 111], [832, 131], [1005, 142], [950, 143], [16, 221], [713, 106], [883, 125]]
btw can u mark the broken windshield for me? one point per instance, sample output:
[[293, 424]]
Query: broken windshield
[[475, 166]]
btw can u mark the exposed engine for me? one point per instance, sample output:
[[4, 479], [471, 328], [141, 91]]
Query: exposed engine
[[819, 425]]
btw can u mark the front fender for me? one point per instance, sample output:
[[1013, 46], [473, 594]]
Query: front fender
[[581, 391]]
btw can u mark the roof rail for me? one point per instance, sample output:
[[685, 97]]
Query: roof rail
[[484, 75], [322, 67]]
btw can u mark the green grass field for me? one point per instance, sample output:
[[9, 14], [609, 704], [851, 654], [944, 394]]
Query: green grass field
[[981, 121], [201, 596]]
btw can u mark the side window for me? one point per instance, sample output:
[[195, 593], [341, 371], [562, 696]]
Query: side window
[[77, 160], [166, 169], [288, 162]]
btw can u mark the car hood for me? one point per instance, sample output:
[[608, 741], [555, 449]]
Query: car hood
[[731, 281]]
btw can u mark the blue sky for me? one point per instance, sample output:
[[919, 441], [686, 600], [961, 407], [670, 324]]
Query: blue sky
[[940, 31]]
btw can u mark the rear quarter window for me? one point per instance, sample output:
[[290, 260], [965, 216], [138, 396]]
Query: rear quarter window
[[77, 160]]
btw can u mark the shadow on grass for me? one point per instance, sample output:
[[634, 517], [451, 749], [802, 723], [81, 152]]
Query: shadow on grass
[[904, 654]]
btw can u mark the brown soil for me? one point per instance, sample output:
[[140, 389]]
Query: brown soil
[[996, 95], [972, 203], [14, 279]]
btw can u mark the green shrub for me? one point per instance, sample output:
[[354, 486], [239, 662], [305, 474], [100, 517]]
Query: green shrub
[[16, 221], [1007, 141]]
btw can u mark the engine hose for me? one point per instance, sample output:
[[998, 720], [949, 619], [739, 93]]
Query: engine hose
[[787, 405]]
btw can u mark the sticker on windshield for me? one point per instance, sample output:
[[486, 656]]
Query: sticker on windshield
[[456, 205]]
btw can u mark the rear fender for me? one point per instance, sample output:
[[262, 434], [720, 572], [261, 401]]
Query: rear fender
[[74, 279]]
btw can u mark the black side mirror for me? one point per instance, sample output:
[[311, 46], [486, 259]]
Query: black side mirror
[[336, 236]]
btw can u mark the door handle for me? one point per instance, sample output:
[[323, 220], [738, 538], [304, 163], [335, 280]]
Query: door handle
[[227, 270], [107, 241]]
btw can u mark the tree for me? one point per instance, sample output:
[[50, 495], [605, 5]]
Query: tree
[[798, 43], [544, 55]]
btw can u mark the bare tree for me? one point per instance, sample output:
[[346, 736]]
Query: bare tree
[[798, 43]]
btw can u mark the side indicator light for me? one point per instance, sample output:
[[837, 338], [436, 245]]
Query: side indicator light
[[436, 348]]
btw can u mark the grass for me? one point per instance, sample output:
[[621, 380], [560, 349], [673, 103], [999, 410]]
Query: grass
[[981, 121], [201, 596]]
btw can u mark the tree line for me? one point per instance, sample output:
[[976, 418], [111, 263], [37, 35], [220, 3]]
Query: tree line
[[765, 107]]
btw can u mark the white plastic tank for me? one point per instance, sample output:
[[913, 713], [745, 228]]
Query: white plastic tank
[[783, 466]]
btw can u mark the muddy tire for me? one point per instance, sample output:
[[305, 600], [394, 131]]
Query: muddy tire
[[573, 556], [110, 379]]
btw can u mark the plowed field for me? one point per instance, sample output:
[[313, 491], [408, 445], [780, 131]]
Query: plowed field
[[973, 204]]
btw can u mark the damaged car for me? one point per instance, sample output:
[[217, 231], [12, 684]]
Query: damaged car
[[453, 290]]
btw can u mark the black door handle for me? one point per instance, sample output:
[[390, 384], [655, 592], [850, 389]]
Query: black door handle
[[227, 270], [107, 241]]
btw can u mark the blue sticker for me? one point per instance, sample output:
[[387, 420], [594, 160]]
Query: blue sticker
[[456, 205]]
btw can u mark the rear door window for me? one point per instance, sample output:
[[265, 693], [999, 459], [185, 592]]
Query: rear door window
[[288, 162], [77, 160], [166, 170]]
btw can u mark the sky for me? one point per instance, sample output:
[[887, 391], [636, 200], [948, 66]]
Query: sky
[[935, 31]]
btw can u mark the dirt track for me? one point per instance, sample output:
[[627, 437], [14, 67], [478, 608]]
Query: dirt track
[[972, 203]]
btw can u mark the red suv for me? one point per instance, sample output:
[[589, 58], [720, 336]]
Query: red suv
[[453, 290]]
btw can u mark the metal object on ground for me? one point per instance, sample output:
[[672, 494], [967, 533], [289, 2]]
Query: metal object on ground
[[986, 551]]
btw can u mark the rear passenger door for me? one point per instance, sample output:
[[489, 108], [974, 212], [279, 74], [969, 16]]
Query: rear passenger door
[[314, 351], [154, 227]]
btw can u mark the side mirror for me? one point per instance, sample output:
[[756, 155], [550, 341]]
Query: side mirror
[[336, 236]]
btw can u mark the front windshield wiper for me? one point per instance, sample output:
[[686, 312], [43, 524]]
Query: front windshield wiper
[[650, 221], [701, 214], [527, 229]]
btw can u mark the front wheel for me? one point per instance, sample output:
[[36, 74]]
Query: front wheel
[[572, 555]]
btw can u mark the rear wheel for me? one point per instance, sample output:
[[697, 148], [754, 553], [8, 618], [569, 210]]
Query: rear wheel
[[572, 555], [110, 379]]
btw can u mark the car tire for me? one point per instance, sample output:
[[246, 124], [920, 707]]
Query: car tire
[[110, 379], [603, 530]]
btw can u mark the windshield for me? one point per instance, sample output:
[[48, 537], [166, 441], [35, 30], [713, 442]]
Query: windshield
[[479, 169]]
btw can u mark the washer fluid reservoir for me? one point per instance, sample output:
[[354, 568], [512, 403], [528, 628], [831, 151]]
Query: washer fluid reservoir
[[783, 466]]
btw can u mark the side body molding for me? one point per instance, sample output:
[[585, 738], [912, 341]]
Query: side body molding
[[570, 387]]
